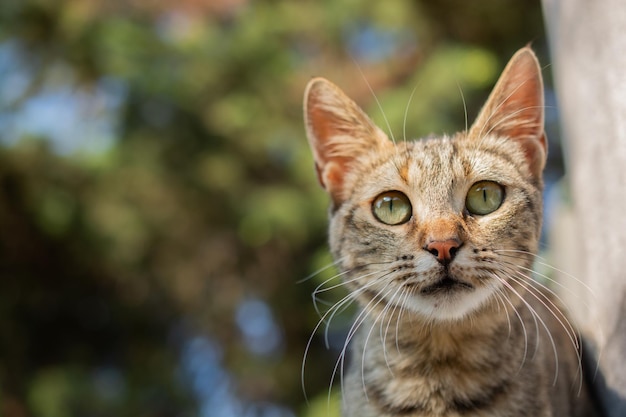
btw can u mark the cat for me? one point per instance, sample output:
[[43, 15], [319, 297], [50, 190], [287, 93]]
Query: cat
[[435, 239]]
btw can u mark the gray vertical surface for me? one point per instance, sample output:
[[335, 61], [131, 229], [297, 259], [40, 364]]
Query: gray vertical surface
[[588, 45]]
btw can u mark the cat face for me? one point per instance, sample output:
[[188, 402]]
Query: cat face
[[440, 227]]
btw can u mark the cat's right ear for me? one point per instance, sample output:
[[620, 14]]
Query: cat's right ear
[[339, 134]]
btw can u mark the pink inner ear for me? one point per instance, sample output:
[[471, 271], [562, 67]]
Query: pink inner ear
[[331, 176], [523, 106], [515, 109], [535, 152], [338, 154], [526, 107], [329, 168], [339, 133]]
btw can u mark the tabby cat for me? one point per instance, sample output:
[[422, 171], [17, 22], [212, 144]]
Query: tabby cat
[[436, 239]]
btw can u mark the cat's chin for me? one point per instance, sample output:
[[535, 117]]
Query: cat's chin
[[448, 300]]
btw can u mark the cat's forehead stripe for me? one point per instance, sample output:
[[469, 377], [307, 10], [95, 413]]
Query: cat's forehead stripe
[[476, 159], [403, 171]]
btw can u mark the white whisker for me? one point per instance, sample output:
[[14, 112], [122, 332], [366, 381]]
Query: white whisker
[[534, 283], [544, 262], [402, 311], [551, 280], [519, 317], [530, 286], [349, 298], [369, 333], [319, 289], [380, 107], [464, 106], [360, 319], [341, 309], [322, 269], [543, 323], [384, 335], [406, 112]]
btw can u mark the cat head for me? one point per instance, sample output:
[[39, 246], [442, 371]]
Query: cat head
[[442, 226]]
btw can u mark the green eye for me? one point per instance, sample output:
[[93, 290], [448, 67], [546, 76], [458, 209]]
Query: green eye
[[484, 197], [392, 207]]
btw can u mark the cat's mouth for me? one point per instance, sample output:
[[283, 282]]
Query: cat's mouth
[[446, 285]]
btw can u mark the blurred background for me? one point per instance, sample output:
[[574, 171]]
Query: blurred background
[[159, 211]]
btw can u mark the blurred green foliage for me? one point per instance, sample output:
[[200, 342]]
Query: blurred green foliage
[[155, 178]]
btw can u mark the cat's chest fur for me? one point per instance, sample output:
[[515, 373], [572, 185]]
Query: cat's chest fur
[[483, 369], [435, 241]]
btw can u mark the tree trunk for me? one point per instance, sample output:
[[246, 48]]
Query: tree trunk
[[588, 43]]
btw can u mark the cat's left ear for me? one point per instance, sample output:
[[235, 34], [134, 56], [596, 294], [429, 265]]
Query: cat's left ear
[[339, 133], [515, 109]]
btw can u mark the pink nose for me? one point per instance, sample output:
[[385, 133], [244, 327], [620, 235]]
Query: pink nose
[[444, 250]]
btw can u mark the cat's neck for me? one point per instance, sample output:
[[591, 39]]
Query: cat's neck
[[461, 364], [437, 339]]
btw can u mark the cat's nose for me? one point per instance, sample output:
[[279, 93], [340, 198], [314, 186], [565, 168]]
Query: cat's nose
[[444, 250]]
